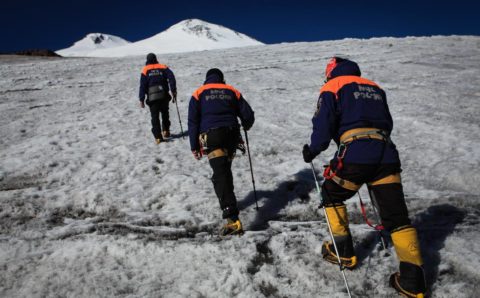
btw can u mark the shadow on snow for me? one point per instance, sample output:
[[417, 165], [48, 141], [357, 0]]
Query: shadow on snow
[[434, 225], [273, 201], [179, 135]]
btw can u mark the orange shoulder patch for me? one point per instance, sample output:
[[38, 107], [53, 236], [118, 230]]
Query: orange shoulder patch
[[146, 68], [199, 91], [334, 85]]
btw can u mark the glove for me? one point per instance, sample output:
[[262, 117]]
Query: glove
[[142, 104], [197, 154], [307, 154], [174, 96], [247, 126], [241, 146]]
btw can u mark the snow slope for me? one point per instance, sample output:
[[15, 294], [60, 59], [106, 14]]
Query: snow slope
[[91, 207], [91, 43], [186, 36]]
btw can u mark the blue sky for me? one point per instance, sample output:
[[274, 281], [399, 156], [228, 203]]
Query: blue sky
[[58, 24]]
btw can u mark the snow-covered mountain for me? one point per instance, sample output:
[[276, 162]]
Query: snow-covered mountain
[[90, 206], [186, 36], [92, 42]]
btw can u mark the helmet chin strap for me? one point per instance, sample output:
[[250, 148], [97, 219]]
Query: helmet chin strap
[[330, 67]]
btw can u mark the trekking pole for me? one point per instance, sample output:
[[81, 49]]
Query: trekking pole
[[377, 216], [179, 119], [251, 169], [342, 269]]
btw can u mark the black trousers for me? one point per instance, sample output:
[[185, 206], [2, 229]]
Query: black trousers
[[224, 138], [157, 107], [389, 197]]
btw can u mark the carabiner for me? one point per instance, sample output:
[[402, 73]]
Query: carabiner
[[342, 148]]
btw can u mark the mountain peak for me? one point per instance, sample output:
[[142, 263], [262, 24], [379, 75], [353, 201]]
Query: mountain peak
[[92, 42], [207, 30], [191, 23], [98, 38], [186, 36]]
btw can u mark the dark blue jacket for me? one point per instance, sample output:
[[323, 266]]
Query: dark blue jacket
[[154, 75], [348, 101], [215, 105]]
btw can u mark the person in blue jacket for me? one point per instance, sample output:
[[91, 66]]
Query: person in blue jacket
[[214, 130], [353, 112], [156, 81]]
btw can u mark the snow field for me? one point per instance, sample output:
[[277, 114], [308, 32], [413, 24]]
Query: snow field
[[90, 206]]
